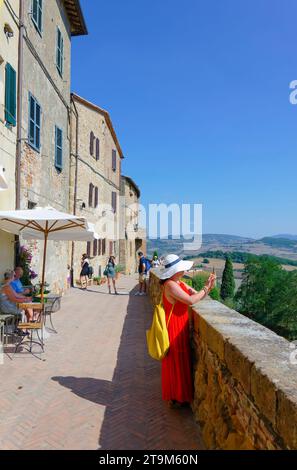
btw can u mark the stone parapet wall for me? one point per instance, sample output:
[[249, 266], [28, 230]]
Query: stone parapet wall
[[245, 380]]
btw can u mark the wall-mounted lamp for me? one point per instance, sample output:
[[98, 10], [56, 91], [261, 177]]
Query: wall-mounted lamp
[[3, 182]]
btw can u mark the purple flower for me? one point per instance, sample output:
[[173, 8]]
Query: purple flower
[[33, 274]]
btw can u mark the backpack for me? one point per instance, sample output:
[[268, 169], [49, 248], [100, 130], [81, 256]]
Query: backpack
[[147, 264], [157, 336], [90, 271]]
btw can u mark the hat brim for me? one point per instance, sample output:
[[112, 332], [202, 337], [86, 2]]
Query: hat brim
[[163, 273]]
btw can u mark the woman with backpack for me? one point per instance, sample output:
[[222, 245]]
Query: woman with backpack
[[110, 273], [177, 386], [84, 274]]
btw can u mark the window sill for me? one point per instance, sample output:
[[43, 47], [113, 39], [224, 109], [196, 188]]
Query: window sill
[[33, 147]]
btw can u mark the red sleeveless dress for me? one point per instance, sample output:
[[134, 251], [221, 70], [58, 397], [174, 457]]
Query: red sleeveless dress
[[176, 366]]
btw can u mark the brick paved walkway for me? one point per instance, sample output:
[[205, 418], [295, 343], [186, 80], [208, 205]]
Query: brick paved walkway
[[96, 386]]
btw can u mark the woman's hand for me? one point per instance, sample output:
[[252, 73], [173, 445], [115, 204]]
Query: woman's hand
[[211, 282]]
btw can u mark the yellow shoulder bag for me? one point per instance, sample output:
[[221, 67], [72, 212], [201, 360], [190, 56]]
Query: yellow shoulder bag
[[157, 336]]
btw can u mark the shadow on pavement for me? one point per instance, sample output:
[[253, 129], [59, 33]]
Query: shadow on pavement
[[135, 415]]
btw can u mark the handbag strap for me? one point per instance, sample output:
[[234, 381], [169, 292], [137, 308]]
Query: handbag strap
[[170, 313]]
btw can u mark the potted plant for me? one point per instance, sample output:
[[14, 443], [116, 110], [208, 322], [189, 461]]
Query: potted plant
[[119, 269], [97, 280]]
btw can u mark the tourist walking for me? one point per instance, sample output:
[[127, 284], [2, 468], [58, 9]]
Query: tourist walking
[[177, 386], [110, 273], [143, 268], [84, 274], [155, 261]]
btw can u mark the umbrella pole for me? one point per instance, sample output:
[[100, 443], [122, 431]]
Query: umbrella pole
[[44, 260]]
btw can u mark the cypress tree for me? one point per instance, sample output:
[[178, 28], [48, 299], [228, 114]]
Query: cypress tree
[[228, 283]]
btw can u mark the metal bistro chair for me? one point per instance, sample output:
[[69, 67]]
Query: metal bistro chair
[[37, 326], [53, 305]]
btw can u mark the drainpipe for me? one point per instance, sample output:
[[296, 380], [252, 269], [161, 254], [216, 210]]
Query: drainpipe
[[75, 184], [19, 122], [19, 107]]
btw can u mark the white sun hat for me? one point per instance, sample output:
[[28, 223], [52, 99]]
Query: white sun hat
[[171, 265]]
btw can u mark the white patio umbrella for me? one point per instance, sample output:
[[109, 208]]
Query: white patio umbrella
[[46, 224]]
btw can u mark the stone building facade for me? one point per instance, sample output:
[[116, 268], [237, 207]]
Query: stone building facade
[[9, 37], [95, 179], [44, 173], [132, 236]]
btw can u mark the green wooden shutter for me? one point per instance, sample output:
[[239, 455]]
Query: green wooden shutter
[[58, 148], [10, 95], [60, 51], [39, 21]]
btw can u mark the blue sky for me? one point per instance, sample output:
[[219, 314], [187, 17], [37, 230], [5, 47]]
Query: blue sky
[[198, 92]]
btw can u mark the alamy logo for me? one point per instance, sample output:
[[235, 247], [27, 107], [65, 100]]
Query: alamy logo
[[293, 94], [164, 221]]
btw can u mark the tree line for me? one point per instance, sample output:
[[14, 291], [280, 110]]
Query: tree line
[[267, 295]]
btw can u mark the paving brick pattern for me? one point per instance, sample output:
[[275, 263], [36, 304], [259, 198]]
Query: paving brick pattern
[[95, 387]]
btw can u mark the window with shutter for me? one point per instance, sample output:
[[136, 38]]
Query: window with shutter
[[91, 189], [37, 14], [97, 149], [114, 160], [104, 246], [110, 248], [10, 95], [92, 137], [34, 123], [58, 148], [99, 247], [96, 196], [95, 248], [114, 201], [60, 52], [89, 249]]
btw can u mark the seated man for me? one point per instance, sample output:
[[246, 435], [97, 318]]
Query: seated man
[[16, 284]]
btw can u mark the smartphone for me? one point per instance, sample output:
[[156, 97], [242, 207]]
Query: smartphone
[[213, 270]]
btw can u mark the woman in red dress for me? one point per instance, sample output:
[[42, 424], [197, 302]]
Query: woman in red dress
[[177, 386]]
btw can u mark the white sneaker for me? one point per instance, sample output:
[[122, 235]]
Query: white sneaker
[[137, 293]]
